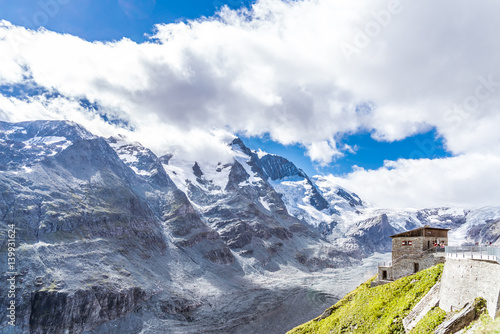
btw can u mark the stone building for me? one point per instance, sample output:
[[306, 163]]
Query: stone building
[[413, 251]]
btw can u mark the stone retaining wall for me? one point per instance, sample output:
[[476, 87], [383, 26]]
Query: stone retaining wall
[[465, 279]]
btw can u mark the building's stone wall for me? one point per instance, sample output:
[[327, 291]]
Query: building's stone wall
[[388, 271], [409, 248], [418, 245], [398, 250], [465, 279], [406, 266]]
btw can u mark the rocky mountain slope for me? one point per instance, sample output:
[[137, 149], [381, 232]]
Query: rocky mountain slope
[[109, 234], [90, 244]]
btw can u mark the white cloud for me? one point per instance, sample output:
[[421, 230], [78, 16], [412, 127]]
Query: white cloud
[[40, 108], [467, 181], [280, 68], [195, 144], [323, 151]]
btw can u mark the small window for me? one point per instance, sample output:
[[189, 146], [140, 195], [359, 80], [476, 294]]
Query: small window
[[409, 243], [403, 243]]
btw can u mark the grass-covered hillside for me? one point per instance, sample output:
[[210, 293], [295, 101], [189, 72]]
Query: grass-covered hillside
[[375, 310]]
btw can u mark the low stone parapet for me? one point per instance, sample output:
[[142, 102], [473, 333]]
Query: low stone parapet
[[430, 300]]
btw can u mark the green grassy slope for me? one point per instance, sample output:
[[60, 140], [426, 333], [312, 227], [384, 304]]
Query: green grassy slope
[[429, 322], [484, 325], [374, 310]]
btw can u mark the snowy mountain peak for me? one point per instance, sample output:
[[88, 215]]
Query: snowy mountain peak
[[351, 198], [303, 197], [141, 160], [238, 145], [24, 131], [276, 167], [26, 143]]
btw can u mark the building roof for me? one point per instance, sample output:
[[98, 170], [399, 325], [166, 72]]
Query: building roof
[[423, 231]]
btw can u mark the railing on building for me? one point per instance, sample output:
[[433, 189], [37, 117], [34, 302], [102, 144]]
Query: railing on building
[[385, 264], [474, 252], [435, 249]]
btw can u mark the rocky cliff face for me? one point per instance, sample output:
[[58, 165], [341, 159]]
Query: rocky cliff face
[[169, 205], [93, 234], [112, 237], [372, 234], [237, 201]]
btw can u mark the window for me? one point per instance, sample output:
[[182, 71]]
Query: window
[[415, 267], [384, 274]]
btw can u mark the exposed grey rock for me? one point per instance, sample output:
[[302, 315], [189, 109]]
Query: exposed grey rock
[[326, 228], [109, 243], [237, 175], [352, 198], [170, 205], [373, 234], [250, 215], [486, 233], [459, 320], [197, 170], [166, 158], [57, 312], [96, 233], [276, 167]]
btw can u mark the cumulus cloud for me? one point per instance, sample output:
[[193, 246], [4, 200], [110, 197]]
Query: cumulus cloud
[[467, 181], [323, 152], [304, 72]]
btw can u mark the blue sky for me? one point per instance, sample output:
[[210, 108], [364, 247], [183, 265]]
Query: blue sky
[[329, 77], [107, 20], [367, 153]]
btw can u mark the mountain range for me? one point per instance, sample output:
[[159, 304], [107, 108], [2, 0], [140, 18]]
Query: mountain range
[[112, 238]]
